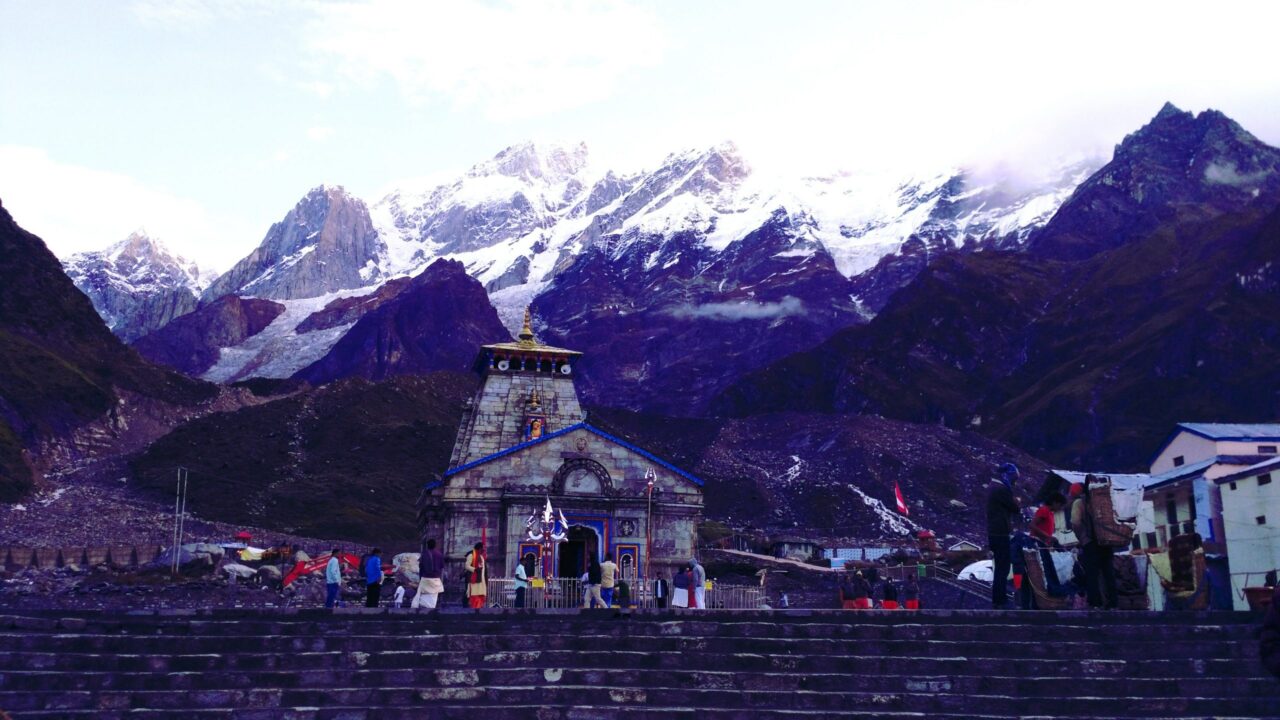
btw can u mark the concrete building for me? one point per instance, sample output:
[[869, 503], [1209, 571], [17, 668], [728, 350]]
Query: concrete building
[[1182, 487], [1212, 479], [794, 547], [524, 438], [1251, 525]]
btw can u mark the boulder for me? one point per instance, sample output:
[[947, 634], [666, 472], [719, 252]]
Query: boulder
[[213, 551], [240, 572], [268, 574], [193, 559], [406, 569]]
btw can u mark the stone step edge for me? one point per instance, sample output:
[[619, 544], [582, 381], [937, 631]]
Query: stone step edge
[[348, 672], [349, 637], [529, 711], [597, 688], [406, 654], [965, 617]]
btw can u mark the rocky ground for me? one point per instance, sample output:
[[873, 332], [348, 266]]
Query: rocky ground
[[104, 589], [92, 506]]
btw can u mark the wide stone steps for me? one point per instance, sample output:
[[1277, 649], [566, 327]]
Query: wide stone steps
[[800, 664], [1249, 686], [621, 659], [584, 711], [359, 664], [995, 646], [560, 695]]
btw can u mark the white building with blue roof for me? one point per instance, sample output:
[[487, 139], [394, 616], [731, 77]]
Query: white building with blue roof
[[1251, 525], [1183, 471]]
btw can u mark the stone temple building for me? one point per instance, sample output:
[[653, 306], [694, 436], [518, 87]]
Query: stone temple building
[[523, 439]]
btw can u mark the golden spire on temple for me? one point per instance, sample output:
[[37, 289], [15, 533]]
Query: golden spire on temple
[[526, 333]]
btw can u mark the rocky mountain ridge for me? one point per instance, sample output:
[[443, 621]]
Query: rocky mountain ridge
[[540, 222], [137, 285], [65, 379], [1088, 359]]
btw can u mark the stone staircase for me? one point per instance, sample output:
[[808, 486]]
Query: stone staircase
[[601, 664]]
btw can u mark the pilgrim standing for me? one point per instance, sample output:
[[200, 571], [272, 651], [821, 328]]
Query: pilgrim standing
[[1001, 507], [680, 588], [698, 584], [477, 577], [430, 583], [608, 579], [373, 578], [332, 579]]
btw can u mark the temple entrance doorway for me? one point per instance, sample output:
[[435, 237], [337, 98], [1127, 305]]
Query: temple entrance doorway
[[583, 543]]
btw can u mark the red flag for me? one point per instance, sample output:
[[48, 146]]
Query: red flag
[[902, 504]]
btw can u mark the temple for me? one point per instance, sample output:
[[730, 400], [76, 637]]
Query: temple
[[523, 439]]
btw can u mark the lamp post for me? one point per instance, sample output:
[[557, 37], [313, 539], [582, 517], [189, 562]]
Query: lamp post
[[651, 480]]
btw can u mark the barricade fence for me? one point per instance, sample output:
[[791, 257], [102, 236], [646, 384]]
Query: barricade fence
[[565, 593]]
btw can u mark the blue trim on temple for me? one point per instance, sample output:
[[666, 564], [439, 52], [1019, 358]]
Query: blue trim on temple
[[583, 426]]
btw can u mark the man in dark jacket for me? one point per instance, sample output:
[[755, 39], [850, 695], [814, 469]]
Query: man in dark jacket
[[373, 578], [1001, 508], [1270, 646]]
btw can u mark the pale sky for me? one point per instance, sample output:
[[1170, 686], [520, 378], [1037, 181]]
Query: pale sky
[[205, 122]]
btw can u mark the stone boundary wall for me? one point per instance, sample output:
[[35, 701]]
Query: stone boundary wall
[[17, 557]]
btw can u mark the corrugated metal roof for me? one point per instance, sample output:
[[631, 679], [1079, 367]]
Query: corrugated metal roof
[[1256, 469], [1123, 481], [1198, 468], [1234, 431]]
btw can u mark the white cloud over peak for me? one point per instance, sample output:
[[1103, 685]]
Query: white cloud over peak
[[75, 209], [510, 60]]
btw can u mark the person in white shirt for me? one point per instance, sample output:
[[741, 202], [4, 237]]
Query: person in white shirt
[[332, 579], [608, 579], [699, 584], [524, 569]]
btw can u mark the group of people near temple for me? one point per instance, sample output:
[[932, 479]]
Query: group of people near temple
[[602, 582], [862, 589]]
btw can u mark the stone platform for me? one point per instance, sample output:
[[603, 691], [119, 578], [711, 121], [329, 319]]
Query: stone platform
[[602, 664]]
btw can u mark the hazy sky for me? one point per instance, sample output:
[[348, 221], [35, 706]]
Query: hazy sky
[[206, 121]]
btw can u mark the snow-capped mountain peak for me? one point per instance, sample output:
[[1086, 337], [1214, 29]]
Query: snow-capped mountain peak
[[531, 162], [137, 284]]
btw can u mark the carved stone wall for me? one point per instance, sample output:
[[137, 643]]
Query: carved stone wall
[[589, 477], [495, 419]]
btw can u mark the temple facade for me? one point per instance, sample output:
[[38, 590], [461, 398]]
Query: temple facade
[[523, 439]]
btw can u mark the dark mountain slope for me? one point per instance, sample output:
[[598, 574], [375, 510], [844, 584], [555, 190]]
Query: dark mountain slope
[[436, 322], [667, 324], [1083, 364], [1178, 167], [1170, 316], [190, 344], [60, 367], [343, 461]]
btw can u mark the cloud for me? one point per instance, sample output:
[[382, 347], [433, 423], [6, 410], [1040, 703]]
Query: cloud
[[319, 134], [74, 209], [189, 14], [509, 60], [1228, 174], [745, 310]]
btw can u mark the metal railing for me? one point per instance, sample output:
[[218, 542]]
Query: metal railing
[[564, 593]]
